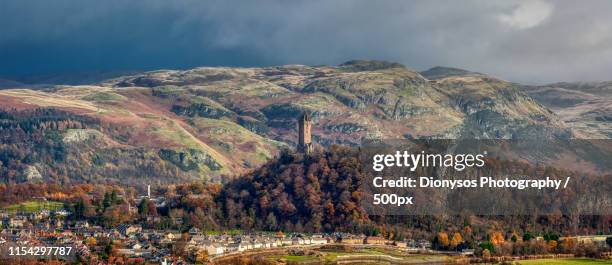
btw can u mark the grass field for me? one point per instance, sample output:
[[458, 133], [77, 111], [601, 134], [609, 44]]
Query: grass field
[[299, 258], [332, 256], [34, 206], [576, 261], [104, 96], [232, 232]]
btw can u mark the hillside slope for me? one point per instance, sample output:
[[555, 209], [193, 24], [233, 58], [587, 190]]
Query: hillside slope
[[587, 107], [217, 122]]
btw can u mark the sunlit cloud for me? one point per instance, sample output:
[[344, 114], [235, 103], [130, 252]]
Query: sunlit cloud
[[527, 14]]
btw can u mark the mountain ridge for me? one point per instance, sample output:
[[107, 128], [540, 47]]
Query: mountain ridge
[[218, 122]]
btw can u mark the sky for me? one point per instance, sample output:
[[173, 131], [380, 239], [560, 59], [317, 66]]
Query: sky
[[535, 41]]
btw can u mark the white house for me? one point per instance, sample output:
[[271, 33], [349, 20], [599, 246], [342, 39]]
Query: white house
[[214, 249], [62, 213], [231, 247], [243, 246], [257, 245], [286, 241], [298, 241], [136, 246], [318, 241]]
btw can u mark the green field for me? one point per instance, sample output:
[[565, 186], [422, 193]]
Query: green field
[[575, 261], [104, 96], [34, 206], [293, 258], [232, 232], [299, 258], [332, 257]]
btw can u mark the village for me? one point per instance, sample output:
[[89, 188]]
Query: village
[[50, 228], [135, 243]]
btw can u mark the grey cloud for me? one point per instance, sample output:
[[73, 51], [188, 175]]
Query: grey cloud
[[524, 41]]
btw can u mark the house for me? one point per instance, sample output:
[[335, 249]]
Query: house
[[352, 240], [39, 215], [57, 223], [231, 247], [81, 225], [286, 242], [375, 240], [194, 231], [168, 238], [255, 245], [318, 240], [297, 241], [62, 213], [199, 239], [467, 252], [126, 229], [243, 246], [269, 243], [172, 236], [16, 222], [126, 252], [423, 244], [214, 249], [400, 244], [136, 246], [594, 239]]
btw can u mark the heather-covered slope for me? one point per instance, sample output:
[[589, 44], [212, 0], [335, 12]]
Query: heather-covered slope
[[494, 108], [212, 122], [587, 107]]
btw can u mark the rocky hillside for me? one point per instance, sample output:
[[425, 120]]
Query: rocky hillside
[[587, 107], [494, 108], [211, 122]]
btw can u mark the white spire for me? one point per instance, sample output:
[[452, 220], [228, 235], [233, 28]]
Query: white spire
[[149, 191]]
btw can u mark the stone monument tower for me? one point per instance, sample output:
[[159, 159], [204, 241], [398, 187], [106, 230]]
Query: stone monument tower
[[305, 139]]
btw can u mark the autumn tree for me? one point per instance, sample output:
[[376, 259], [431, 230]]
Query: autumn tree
[[91, 241], [202, 256], [83, 208], [552, 245], [456, 240], [442, 240], [497, 238], [115, 215]]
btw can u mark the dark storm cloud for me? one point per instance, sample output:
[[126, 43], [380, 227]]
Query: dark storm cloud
[[527, 41]]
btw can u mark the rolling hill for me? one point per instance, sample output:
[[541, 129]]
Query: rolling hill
[[217, 122], [586, 106]]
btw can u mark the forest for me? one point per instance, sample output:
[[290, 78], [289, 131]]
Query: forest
[[319, 192], [316, 193], [55, 146]]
